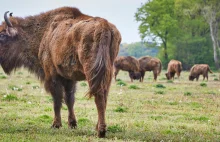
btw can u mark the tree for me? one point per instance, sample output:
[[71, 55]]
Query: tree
[[209, 10], [157, 19]]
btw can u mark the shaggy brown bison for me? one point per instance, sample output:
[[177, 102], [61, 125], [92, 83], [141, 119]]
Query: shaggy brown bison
[[199, 69], [174, 66], [127, 63], [61, 47], [149, 64]]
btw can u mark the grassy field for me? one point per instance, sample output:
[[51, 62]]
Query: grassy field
[[177, 110]]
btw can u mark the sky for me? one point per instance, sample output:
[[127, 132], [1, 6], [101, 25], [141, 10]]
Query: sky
[[119, 12]]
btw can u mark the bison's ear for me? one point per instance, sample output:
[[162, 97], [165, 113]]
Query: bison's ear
[[10, 30]]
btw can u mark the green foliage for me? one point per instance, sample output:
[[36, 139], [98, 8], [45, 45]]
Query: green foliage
[[160, 86], [15, 88], [118, 79], [83, 84], [216, 79], [35, 87], [121, 83], [114, 128], [133, 87], [45, 118], [121, 109], [159, 92], [83, 121], [169, 81], [10, 97], [3, 77], [187, 93], [28, 82], [203, 84]]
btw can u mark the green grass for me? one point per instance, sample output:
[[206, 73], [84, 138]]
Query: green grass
[[180, 110]]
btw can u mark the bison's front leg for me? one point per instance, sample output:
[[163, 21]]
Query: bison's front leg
[[54, 86], [70, 88], [101, 101]]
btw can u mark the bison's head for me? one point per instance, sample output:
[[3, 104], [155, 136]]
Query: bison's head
[[191, 78], [135, 75], [168, 76], [9, 44], [7, 31]]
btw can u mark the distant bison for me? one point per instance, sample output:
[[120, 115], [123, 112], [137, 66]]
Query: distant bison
[[199, 69], [174, 66], [149, 64], [61, 47], [127, 63]]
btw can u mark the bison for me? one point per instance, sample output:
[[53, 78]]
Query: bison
[[148, 63], [199, 69], [127, 63], [174, 66], [63, 46]]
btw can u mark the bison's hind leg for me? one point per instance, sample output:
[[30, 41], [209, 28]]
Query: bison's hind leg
[[69, 90], [101, 102]]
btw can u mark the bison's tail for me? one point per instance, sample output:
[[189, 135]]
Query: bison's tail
[[209, 70], [100, 75], [160, 68]]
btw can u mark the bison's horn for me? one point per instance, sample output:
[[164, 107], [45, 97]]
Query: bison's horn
[[7, 20], [11, 14]]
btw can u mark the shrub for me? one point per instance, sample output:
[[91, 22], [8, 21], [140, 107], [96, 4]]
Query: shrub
[[159, 92], [14, 88], [133, 87], [203, 84], [10, 97], [3, 77], [187, 93], [215, 79], [118, 79], [121, 109], [160, 86], [35, 87], [28, 82], [121, 83], [83, 84]]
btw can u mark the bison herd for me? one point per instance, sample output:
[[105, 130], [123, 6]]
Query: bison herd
[[63, 46], [137, 68]]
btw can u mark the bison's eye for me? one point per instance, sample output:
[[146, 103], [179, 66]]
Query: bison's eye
[[3, 37]]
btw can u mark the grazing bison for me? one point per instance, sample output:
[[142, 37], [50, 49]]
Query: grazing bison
[[199, 69], [61, 47], [127, 63], [149, 64], [174, 66]]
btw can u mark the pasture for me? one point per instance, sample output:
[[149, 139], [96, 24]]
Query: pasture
[[177, 110]]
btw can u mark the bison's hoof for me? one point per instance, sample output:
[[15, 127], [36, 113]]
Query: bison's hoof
[[56, 125], [101, 134], [72, 124]]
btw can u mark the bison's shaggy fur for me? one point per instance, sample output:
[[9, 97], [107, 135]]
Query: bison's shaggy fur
[[174, 66], [199, 69], [127, 63], [148, 63], [61, 47]]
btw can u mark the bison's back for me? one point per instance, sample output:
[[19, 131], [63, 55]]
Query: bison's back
[[126, 63], [148, 63], [199, 69], [174, 66], [73, 46]]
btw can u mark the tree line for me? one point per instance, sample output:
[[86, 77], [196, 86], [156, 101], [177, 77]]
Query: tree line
[[187, 30]]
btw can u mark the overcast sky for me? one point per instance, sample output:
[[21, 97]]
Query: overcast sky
[[119, 12]]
